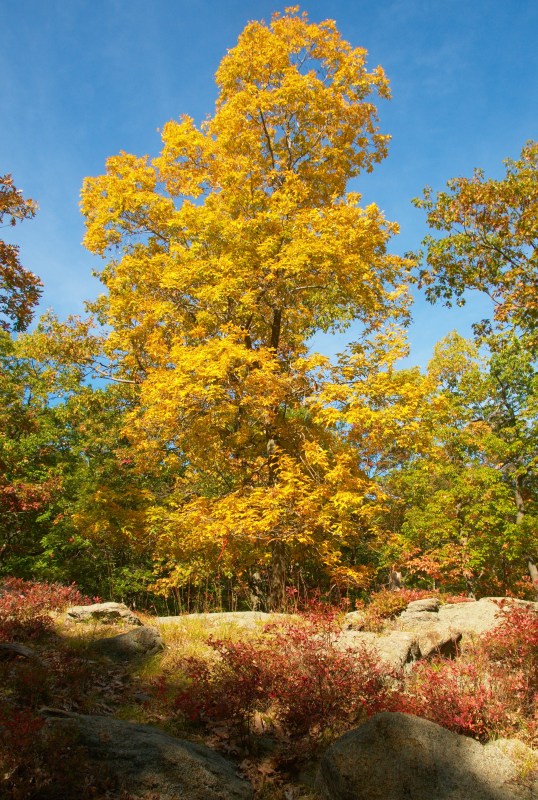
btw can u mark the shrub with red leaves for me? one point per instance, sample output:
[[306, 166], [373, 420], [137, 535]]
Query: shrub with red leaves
[[231, 688], [294, 670], [315, 685], [24, 606], [459, 696], [491, 690], [514, 640]]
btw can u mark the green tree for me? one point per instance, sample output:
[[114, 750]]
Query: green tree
[[468, 513]]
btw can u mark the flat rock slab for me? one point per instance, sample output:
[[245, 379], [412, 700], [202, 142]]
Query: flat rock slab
[[397, 756], [243, 619], [107, 613], [480, 616], [145, 760], [142, 641]]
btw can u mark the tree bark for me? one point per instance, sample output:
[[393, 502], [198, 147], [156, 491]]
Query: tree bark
[[278, 567], [279, 563], [533, 572], [520, 502]]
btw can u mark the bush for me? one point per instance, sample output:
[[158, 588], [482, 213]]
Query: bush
[[294, 674], [24, 606], [459, 696], [491, 690], [317, 686]]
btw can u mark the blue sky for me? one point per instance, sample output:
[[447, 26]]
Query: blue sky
[[81, 80]]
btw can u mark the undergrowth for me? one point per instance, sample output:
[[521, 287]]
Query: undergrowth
[[271, 697]]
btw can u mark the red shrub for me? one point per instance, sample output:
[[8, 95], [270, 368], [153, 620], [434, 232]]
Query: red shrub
[[295, 670], [514, 641], [24, 606], [43, 596], [491, 690], [315, 685], [229, 689], [460, 696]]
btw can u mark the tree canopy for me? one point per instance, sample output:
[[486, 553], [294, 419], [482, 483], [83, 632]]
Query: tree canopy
[[20, 289], [236, 244], [225, 459]]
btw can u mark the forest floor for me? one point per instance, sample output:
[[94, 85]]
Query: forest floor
[[270, 698]]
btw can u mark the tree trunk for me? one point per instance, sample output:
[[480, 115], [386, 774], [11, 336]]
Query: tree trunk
[[395, 580], [277, 589], [520, 503], [533, 572], [278, 566]]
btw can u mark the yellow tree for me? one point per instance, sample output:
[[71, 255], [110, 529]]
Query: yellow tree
[[230, 250]]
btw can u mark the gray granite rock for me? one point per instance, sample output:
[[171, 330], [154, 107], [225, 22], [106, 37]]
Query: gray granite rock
[[142, 641], [397, 756], [426, 604], [354, 621], [437, 640], [107, 613], [394, 648], [148, 762]]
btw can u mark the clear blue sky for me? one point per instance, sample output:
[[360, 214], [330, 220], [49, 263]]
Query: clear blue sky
[[81, 80]]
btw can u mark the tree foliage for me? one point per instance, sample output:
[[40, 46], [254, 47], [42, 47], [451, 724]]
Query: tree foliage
[[469, 512], [236, 244], [488, 240], [19, 288], [224, 455]]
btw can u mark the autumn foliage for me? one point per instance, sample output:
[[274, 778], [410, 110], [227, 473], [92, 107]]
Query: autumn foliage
[[294, 675], [19, 288], [226, 463]]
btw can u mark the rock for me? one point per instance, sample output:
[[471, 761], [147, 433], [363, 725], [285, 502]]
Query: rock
[[413, 618], [143, 641], [249, 620], [437, 640], [419, 612], [426, 604], [354, 621], [396, 756], [103, 612], [478, 616], [10, 650], [145, 760], [395, 648]]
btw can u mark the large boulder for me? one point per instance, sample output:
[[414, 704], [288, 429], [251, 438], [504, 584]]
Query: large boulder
[[148, 762], [394, 648], [107, 613], [479, 616], [396, 756], [421, 611], [142, 641], [355, 621], [433, 640]]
